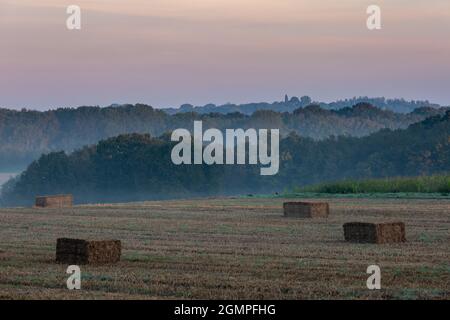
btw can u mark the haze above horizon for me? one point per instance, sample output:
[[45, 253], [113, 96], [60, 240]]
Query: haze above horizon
[[169, 52]]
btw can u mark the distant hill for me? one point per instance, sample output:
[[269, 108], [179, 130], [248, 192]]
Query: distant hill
[[137, 167], [289, 104], [25, 135]]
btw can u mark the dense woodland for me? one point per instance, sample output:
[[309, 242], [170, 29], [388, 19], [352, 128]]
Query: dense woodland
[[25, 135], [137, 167]]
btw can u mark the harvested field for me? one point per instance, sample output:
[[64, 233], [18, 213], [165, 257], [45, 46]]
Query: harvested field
[[228, 248], [306, 209]]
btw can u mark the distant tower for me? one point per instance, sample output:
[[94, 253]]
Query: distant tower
[[286, 99]]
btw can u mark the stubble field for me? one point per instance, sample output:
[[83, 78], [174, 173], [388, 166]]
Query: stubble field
[[228, 249]]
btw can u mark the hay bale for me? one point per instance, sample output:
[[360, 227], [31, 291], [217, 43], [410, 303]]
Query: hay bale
[[306, 209], [361, 232], [55, 201], [76, 251]]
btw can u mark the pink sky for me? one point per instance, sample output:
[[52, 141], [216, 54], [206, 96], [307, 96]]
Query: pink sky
[[169, 52]]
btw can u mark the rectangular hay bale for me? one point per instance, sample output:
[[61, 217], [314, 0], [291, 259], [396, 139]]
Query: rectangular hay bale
[[54, 201], [362, 232], [306, 209], [76, 251]]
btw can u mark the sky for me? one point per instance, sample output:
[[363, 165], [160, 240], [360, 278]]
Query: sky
[[169, 52]]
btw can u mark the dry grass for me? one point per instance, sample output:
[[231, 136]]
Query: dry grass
[[228, 248]]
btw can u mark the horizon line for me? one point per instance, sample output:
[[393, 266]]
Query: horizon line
[[16, 108]]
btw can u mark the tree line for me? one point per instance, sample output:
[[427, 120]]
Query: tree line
[[138, 166], [25, 134]]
